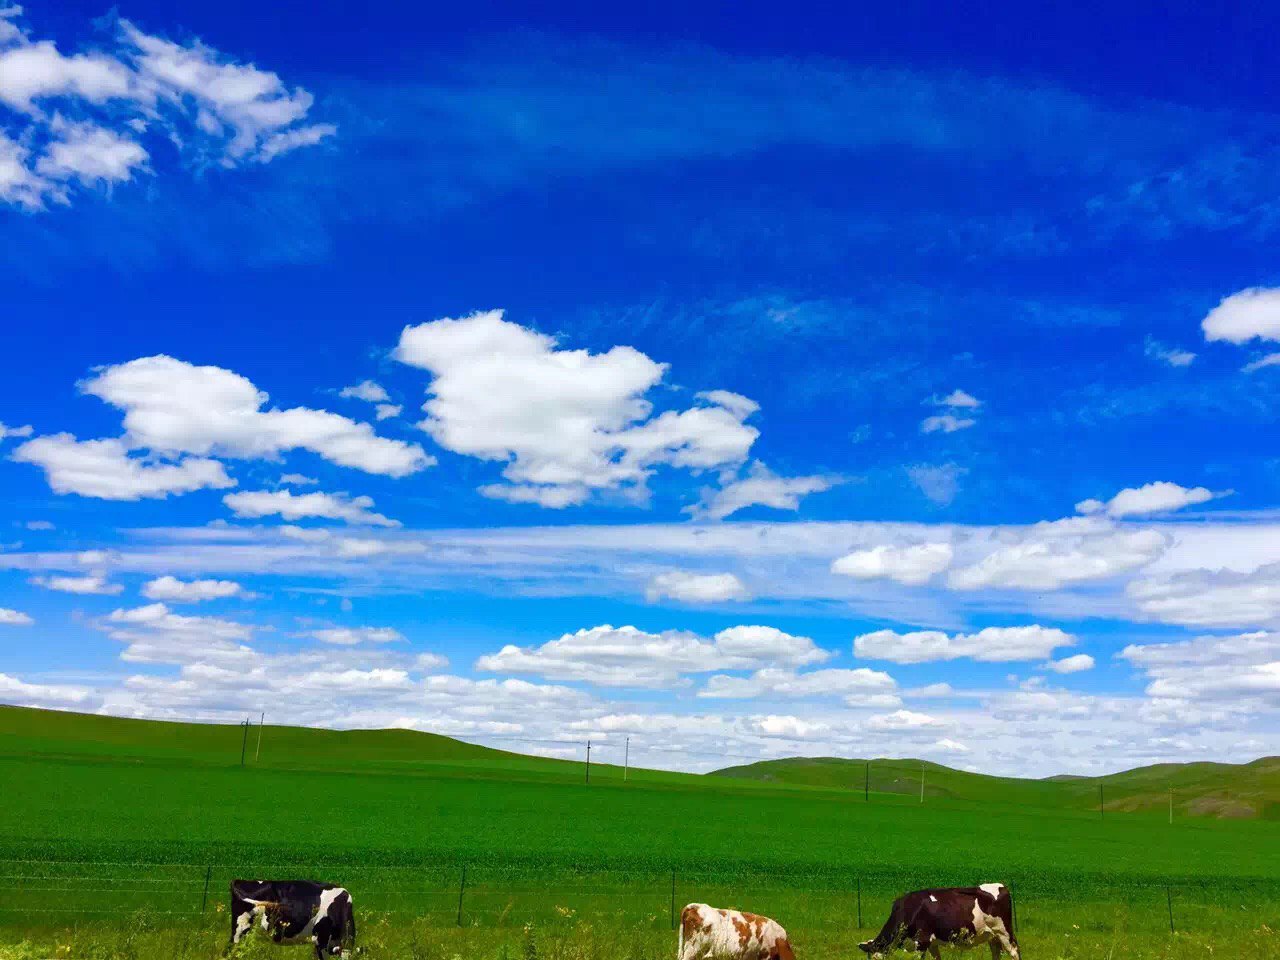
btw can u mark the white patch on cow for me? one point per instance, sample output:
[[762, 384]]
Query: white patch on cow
[[933, 898], [243, 923], [995, 889], [717, 935], [987, 927]]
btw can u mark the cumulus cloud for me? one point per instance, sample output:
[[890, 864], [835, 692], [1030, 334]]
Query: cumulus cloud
[[910, 565], [990, 645], [94, 583], [291, 506], [1053, 554], [299, 480], [1211, 597], [901, 720], [107, 470], [6, 432], [188, 96], [627, 657], [350, 636], [1250, 313], [759, 487], [1270, 360], [689, 587], [561, 419], [1077, 664], [1229, 668], [59, 696], [1172, 356], [174, 407], [939, 483], [190, 591], [14, 618], [863, 687], [366, 390], [960, 399], [1158, 497], [945, 423]]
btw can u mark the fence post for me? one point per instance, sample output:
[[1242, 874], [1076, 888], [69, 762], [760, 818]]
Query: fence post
[[673, 898], [204, 899], [461, 889], [859, 883], [1013, 906], [1168, 895]]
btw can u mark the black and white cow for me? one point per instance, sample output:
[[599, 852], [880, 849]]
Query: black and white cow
[[294, 911], [963, 916]]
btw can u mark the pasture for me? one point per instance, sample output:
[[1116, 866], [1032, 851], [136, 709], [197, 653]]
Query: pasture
[[119, 839]]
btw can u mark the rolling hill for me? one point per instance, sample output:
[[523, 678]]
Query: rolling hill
[[1224, 790]]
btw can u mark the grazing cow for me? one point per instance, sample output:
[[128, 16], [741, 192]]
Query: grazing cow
[[706, 932], [294, 911], [963, 916]]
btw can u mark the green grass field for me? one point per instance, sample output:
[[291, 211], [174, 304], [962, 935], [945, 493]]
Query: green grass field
[[112, 828]]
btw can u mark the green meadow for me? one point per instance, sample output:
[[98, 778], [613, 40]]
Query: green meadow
[[119, 838]]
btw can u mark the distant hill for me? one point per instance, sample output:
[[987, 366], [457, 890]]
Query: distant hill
[[1248, 790]]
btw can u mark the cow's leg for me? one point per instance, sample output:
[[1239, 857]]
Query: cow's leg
[[933, 950], [995, 949]]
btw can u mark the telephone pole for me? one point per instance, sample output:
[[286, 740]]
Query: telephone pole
[[258, 750], [588, 761], [244, 743], [626, 761]]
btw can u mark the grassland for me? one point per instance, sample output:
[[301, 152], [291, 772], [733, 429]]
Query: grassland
[[134, 818]]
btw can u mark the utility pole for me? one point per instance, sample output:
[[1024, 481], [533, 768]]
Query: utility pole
[[626, 761], [1102, 803], [922, 781], [244, 743], [866, 782], [588, 761], [258, 750], [1171, 805]]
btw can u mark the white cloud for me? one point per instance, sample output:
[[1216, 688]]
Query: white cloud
[[1209, 598], [740, 406], [1230, 669], [39, 525], [14, 618], [560, 418], [990, 645], [947, 745], [858, 684], [190, 591], [1270, 360], [350, 636], [1056, 553], [366, 390], [960, 399], [90, 154], [212, 110], [1254, 312], [938, 483], [6, 432], [910, 565], [173, 407], [901, 720], [17, 692], [760, 487], [94, 583], [945, 423], [1077, 664], [552, 497], [278, 143], [291, 506], [688, 587], [1173, 356], [1157, 497], [299, 480], [105, 469], [627, 657], [385, 411]]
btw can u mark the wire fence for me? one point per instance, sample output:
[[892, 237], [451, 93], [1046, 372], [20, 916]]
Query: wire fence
[[64, 892]]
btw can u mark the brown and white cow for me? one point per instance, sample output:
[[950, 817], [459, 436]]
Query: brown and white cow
[[295, 911], [706, 932], [963, 916]]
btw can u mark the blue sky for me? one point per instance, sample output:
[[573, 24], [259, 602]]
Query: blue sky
[[895, 384]]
